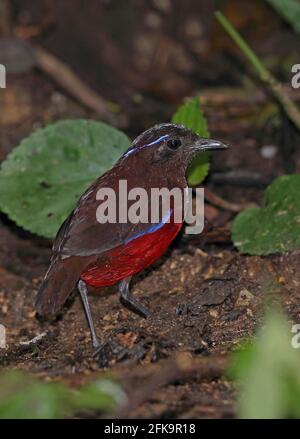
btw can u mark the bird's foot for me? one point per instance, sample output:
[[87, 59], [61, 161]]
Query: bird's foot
[[96, 343], [108, 348], [112, 349], [131, 303], [99, 348]]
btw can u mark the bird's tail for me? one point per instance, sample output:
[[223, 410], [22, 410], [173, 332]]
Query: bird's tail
[[59, 282]]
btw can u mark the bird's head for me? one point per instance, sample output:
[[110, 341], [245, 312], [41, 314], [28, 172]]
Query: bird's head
[[169, 143]]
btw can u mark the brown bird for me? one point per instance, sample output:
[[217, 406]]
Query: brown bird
[[86, 252]]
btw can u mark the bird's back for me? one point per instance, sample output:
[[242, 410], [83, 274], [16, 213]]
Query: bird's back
[[123, 248]]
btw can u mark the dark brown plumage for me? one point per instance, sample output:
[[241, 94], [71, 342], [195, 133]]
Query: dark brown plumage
[[157, 158]]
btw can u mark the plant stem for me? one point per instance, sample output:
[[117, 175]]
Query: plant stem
[[265, 76]]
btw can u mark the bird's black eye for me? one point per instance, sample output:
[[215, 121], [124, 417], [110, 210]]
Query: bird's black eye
[[174, 143]]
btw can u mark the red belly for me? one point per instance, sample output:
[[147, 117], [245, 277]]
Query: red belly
[[131, 258]]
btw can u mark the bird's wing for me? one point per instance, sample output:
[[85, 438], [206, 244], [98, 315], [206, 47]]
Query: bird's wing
[[82, 235]]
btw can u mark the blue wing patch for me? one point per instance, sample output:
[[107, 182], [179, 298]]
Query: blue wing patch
[[153, 228]]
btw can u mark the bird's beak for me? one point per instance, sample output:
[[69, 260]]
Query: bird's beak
[[208, 145]]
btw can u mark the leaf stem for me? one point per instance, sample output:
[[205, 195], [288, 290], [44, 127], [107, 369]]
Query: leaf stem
[[265, 76]]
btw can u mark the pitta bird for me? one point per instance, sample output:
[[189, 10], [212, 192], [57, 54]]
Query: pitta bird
[[87, 252]]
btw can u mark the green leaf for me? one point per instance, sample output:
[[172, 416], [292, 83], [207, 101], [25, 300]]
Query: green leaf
[[289, 11], [268, 372], [101, 394], [24, 397], [42, 179], [191, 116], [275, 227]]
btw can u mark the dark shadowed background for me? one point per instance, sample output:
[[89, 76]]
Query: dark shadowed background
[[137, 61]]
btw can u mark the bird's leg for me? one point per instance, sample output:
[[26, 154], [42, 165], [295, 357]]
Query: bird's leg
[[82, 288], [129, 300], [131, 303]]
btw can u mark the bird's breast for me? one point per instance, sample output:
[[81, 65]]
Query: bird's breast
[[131, 257]]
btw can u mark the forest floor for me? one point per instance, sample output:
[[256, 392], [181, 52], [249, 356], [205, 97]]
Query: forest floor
[[205, 297]]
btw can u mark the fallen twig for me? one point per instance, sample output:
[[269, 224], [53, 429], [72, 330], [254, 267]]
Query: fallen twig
[[223, 204], [34, 340], [183, 367], [67, 79], [5, 18], [237, 96], [241, 177]]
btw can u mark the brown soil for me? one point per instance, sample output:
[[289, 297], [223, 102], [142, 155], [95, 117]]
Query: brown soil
[[204, 296], [203, 302]]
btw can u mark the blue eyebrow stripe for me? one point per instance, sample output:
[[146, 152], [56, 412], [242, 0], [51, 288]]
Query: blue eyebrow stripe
[[132, 149], [158, 140], [128, 152], [151, 229]]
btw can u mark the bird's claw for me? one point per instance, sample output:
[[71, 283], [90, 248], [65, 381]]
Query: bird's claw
[[131, 303], [99, 348]]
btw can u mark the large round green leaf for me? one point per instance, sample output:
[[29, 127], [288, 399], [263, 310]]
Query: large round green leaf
[[275, 227], [43, 177]]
